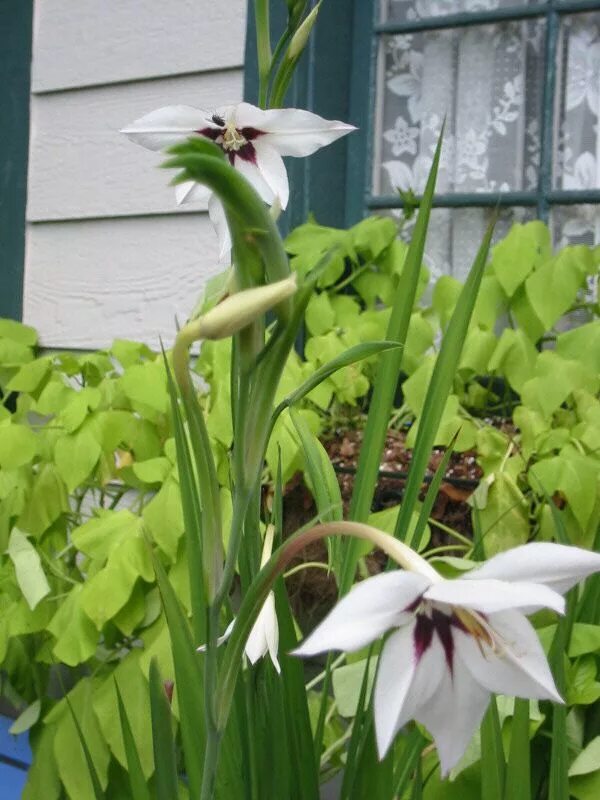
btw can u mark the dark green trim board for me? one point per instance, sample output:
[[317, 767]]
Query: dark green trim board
[[15, 65], [322, 84]]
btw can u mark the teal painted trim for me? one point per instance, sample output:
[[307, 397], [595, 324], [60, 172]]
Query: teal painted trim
[[15, 65], [501, 14], [548, 102], [476, 199], [362, 110]]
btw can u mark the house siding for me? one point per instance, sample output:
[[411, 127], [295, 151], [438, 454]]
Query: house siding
[[108, 252]]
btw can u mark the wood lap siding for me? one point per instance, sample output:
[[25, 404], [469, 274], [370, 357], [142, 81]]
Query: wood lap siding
[[108, 252]]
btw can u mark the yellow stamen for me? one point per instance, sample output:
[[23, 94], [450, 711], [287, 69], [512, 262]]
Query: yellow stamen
[[232, 138]]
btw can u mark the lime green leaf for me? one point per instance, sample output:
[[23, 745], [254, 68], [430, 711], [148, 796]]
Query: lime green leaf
[[588, 760], [129, 353], [477, 351], [514, 356], [573, 475], [164, 518], [445, 295], [545, 393], [319, 315], [18, 332], [14, 354], [137, 781], [581, 344], [347, 680], [99, 536], [18, 446], [552, 288], [582, 686], [30, 376], [505, 518], [518, 254], [491, 303], [30, 575], [76, 456], [48, 500], [76, 635], [76, 410], [26, 718], [154, 470], [145, 386]]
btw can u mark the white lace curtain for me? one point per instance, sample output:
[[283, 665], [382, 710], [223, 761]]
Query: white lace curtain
[[488, 83]]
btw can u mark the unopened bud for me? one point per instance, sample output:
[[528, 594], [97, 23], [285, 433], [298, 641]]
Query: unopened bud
[[300, 38], [240, 309]]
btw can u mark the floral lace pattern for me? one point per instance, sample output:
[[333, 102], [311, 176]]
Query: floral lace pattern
[[577, 151], [476, 77]]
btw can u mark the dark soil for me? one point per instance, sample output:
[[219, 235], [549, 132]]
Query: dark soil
[[313, 591]]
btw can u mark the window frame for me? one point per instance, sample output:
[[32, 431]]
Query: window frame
[[16, 25], [544, 197]]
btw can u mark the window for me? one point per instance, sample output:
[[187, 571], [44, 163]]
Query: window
[[519, 86]]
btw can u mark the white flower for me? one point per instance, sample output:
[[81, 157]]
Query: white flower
[[264, 635], [454, 642], [254, 141]]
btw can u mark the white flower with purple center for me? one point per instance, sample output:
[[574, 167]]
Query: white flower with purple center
[[454, 642], [253, 140]]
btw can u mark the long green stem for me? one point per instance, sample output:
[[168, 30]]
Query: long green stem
[[263, 49]]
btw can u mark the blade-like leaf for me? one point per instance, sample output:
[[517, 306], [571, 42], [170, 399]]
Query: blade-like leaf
[[493, 765], [432, 491], [439, 387], [192, 512], [518, 770], [387, 376], [188, 680], [165, 768], [137, 781], [411, 756], [559, 755], [96, 785], [324, 483]]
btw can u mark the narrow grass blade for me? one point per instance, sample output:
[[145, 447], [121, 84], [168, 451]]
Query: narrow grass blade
[[409, 759], [493, 765], [135, 773], [559, 756], [360, 729], [440, 385], [163, 743], [96, 784], [518, 770], [192, 512], [357, 353], [304, 765], [417, 787], [188, 681], [387, 377], [432, 491], [324, 482]]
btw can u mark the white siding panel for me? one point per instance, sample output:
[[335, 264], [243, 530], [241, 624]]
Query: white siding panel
[[81, 166], [87, 283], [87, 42]]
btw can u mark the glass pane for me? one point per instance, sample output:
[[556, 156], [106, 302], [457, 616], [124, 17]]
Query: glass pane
[[409, 10], [575, 225], [487, 80], [455, 234], [577, 161]]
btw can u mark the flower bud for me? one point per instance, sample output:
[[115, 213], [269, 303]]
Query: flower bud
[[300, 38]]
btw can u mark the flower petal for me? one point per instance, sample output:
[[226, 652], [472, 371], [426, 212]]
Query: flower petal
[[292, 131], [366, 612], [216, 212], [272, 169], [556, 565], [453, 713], [404, 683], [519, 668], [167, 126], [255, 178], [491, 595], [189, 192], [264, 636]]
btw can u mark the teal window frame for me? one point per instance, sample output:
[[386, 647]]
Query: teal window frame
[[15, 80], [337, 187]]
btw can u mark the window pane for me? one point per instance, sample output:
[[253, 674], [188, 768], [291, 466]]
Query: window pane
[[575, 225], [577, 162], [455, 234], [408, 10], [487, 80]]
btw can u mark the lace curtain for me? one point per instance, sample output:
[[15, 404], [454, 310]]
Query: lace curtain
[[487, 80]]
